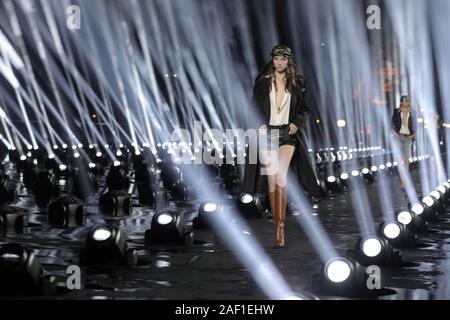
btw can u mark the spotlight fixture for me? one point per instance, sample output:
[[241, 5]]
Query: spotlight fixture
[[373, 250], [67, 212], [355, 173], [343, 277], [115, 203], [249, 205], [410, 220], [105, 245], [439, 200], [63, 171], [22, 274], [333, 184], [368, 175], [169, 228], [397, 234], [13, 220], [433, 206], [206, 209], [345, 180]]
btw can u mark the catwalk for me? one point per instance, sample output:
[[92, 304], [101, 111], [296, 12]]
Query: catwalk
[[196, 149]]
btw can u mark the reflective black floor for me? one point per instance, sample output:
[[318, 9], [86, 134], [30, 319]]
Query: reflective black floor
[[208, 270]]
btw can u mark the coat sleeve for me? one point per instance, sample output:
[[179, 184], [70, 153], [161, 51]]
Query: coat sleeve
[[394, 120], [304, 110], [256, 101]]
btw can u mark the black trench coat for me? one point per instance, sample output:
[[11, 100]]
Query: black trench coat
[[300, 165]]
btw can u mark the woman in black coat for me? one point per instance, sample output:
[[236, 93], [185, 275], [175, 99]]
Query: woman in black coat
[[279, 96]]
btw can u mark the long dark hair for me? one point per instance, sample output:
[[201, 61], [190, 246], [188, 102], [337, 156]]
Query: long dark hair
[[402, 99], [292, 74]]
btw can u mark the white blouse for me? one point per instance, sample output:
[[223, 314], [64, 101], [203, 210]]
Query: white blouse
[[404, 129], [279, 116]]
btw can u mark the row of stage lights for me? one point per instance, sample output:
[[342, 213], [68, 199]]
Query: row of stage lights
[[348, 276], [176, 145], [338, 183]]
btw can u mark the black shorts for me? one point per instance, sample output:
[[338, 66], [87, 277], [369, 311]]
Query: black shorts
[[284, 138]]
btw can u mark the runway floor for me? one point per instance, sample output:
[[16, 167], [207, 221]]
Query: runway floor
[[209, 270]]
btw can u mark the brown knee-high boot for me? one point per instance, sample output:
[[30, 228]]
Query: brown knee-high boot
[[273, 209], [281, 196]]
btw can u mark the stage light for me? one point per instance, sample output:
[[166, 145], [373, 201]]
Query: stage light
[[92, 165], [435, 194], [437, 200], [169, 228], [105, 245], [119, 153], [367, 175], [22, 274], [76, 155], [429, 202], [333, 184], [115, 203], [98, 154], [341, 123], [391, 230], [397, 235], [382, 167], [442, 189], [91, 146], [55, 147], [342, 277], [249, 205], [338, 270], [62, 167], [64, 146], [206, 209], [413, 222], [13, 220], [67, 212], [405, 217], [418, 208], [373, 250], [344, 176]]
